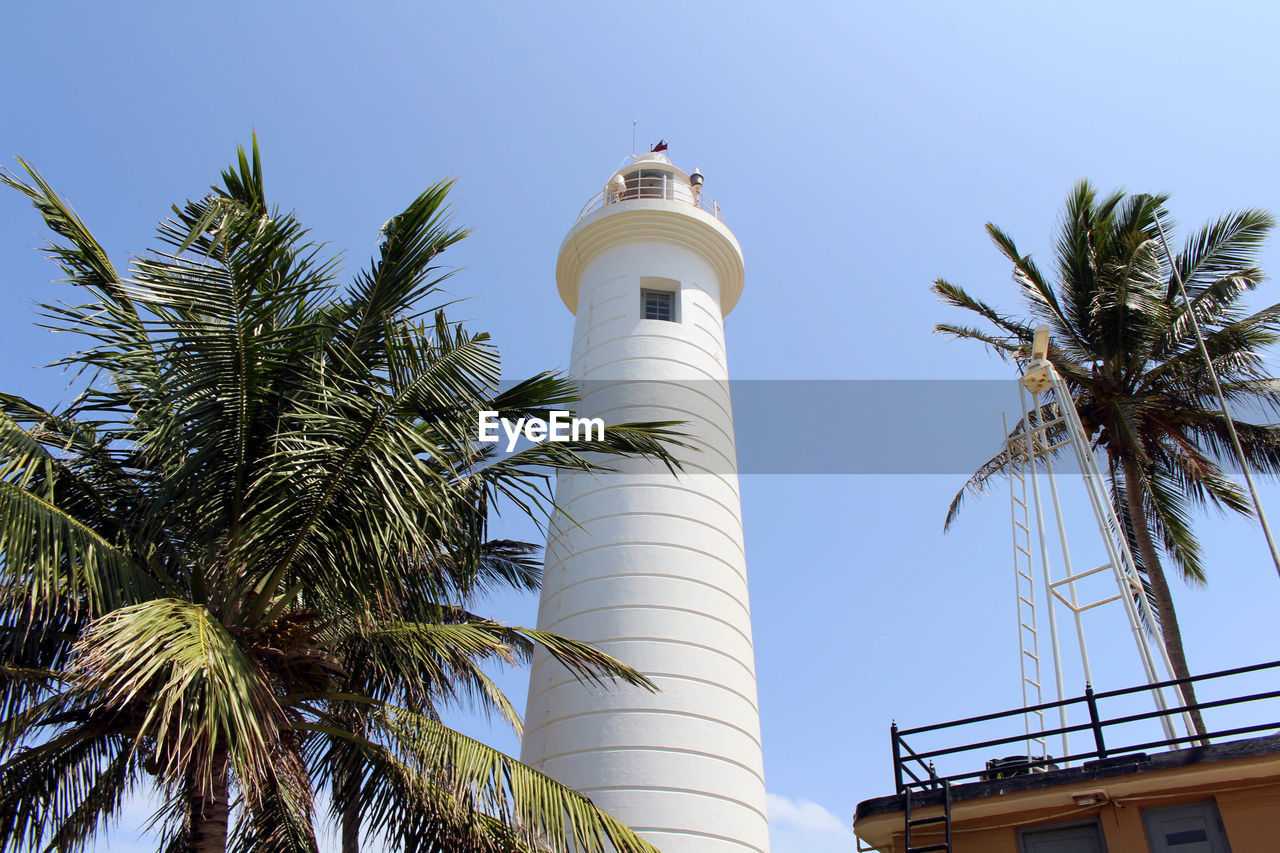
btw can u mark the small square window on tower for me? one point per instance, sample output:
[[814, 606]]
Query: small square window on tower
[[657, 304]]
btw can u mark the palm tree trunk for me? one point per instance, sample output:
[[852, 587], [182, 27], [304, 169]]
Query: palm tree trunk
[[351, 814], [208, 809], [352, 769], [1169, 630]]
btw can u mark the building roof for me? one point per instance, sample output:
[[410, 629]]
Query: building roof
[[1089, 771]]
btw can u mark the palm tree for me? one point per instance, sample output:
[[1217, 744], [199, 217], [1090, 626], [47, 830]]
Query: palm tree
[[1125, 347], [236, 568]]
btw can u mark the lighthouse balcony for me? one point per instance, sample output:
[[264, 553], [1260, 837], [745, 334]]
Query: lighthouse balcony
[[655, 183]]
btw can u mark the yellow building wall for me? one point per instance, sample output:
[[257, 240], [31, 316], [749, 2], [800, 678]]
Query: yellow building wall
[[1250, 814], [1252, 818]]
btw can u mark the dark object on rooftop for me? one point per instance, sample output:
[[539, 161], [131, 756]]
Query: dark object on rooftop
[[1017, 765], [661, 146]]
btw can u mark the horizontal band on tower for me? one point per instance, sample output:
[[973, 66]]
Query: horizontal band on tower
[[658, 641], [648, 219], [740, 573], [663, 789], [734, 540], [751, 701], [588, 751], [729, 596], [662, 608], [669, 831]]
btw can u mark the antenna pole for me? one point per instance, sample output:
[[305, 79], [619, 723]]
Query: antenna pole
[[633, 139], [1222, 400]]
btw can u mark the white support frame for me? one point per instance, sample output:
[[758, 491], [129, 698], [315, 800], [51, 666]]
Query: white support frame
[[1042, 380]]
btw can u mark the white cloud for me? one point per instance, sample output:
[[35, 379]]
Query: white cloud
[[803, 826]]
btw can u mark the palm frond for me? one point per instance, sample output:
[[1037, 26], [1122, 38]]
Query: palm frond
[[1003, 347], [956, 296], [281, 820], [539, 808], [52, 558], [402, 274], [199, 694], [64, 787]]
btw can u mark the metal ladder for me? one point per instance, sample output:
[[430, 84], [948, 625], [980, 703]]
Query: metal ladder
[[1025, 591], [944, 819]]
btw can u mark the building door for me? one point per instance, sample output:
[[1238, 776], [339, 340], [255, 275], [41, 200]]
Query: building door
[[1085, 838], [1192, 828]]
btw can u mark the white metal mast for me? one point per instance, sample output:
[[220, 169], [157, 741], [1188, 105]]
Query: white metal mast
[[1050, 422]]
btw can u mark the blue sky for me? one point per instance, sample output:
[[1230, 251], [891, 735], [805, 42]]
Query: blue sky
[[856, 149]]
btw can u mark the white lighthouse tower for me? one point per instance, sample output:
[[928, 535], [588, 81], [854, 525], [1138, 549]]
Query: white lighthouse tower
[[646, 565]]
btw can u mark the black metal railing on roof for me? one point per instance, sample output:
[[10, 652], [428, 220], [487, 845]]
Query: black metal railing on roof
[[916, 768]]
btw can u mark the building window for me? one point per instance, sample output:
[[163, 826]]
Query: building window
[[1190, 828], [657, 304], [1075, 838]]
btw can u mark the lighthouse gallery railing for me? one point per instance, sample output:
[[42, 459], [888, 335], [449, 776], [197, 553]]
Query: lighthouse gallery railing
[[654, 189]]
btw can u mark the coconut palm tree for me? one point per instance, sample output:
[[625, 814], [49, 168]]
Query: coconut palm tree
[[1124, 345], [236, 568]]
